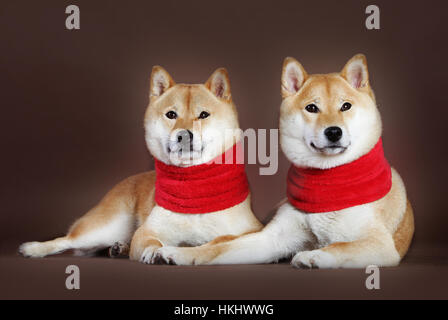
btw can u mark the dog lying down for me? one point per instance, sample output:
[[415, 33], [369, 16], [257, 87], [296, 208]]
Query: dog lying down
[[186, 131]]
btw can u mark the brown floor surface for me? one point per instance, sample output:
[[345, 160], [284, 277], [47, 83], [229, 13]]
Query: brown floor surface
[[422, 275]]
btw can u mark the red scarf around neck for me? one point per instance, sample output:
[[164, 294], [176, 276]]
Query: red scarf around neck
[[359, 182], [203, 188]]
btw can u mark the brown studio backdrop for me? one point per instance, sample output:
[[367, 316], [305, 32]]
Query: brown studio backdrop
[[73, 101]]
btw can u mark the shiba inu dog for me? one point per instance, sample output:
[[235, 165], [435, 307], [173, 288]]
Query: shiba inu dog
[[346, 208], [184, 127]]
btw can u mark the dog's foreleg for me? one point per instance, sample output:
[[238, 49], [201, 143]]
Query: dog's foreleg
[[283, 236], [143, 245], [258, 247]]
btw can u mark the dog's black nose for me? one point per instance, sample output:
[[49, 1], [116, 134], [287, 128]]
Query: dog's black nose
[[185, 136], [333, 134]]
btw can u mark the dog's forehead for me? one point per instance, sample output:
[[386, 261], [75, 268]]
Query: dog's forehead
[[325, 86], [181, 95], [172, 96], [199, 93], [185, 97]]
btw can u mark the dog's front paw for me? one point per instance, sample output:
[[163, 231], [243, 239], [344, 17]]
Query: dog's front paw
[[32, 250], [147, 254], [172, 256], [314, 259]]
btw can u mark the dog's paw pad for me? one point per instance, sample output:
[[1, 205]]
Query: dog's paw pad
[[118, 249], [158, 258], [302, 265], [164, 255], [313, 259]]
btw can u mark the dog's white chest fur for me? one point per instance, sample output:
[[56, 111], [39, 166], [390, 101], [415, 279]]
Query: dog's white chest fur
[[195, 229], [336, 226]]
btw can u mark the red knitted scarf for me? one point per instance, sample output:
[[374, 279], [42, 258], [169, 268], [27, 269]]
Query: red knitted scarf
[[203, 188], [362, 181]]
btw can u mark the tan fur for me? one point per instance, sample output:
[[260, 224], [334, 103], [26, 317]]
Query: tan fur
[[223, 239], [396, 212], [134, 194], [210, 251], [405, 230], [215, 250], [330, 88], [143, 238]]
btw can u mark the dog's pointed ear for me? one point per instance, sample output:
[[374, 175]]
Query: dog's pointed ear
[[293, 77], [160, 81], [356, 72], [219, 84]]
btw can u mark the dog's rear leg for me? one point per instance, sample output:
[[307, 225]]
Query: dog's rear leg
[[94, 231], [41, 249], [376, 249], [111, 221]]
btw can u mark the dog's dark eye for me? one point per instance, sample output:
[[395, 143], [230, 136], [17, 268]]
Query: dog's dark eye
[[171, 115], [346, 106], [204, 114], [312, 108]]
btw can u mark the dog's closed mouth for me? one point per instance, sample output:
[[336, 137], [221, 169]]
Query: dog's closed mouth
[[332, 147], [181, 149]]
